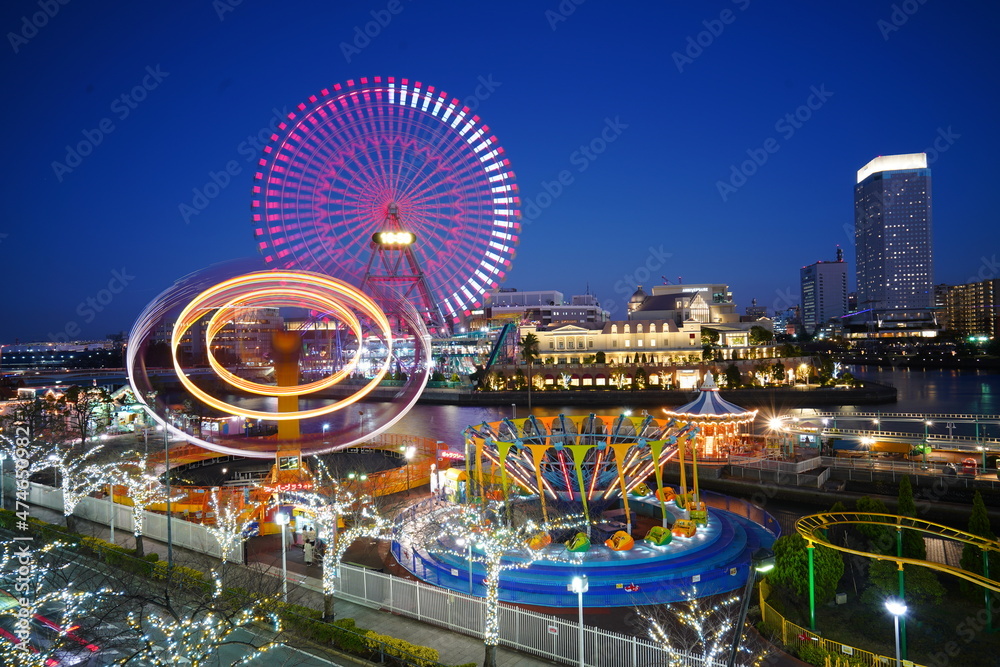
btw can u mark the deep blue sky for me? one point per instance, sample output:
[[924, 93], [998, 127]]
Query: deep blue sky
[[654, 187]]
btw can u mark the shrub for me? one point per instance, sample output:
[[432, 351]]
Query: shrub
[[399, 648], [349, 637]]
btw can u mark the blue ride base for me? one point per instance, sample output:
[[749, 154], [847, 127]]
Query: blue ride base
[[715, 560]]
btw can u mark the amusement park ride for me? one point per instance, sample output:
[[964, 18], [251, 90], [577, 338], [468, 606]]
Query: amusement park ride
[[386, 210]]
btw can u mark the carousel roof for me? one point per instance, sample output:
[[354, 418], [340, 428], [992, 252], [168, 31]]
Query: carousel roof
[[710, 405]]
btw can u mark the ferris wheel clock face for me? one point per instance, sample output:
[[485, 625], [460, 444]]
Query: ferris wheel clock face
[[381, 149]]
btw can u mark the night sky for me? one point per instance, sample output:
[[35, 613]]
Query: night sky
[[690, 90]]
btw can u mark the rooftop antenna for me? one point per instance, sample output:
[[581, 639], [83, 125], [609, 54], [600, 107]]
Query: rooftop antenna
[[665, 281]]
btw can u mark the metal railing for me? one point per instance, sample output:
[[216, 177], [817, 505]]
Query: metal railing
[[184, 534], [793, 635], [546, 636]]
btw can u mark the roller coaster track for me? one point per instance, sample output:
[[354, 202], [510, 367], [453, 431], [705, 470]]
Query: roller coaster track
[[813, 528]]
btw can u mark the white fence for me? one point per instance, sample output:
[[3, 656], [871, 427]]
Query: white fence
[[546, 636], [185, 534]]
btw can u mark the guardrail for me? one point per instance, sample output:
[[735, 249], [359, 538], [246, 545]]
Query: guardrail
[[793, 635]]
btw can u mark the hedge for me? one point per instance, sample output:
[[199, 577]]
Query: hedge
[[399, 648]]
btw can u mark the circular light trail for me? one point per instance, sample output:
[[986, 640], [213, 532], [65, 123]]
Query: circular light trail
[[311, 289]]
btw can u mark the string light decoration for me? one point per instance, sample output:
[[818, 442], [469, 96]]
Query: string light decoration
[[500, 545], [231, 528], [142, 488], [329, 501], [696, 628], [36, 596], [77, 482], [196, 639]]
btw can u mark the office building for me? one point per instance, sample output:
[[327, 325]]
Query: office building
[[824, 292], [893, 236]]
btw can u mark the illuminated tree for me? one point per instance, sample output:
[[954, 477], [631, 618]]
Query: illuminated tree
[[170, 638], [142, 488], [494, 536], [82, 410], [231, 526], [697, 629]]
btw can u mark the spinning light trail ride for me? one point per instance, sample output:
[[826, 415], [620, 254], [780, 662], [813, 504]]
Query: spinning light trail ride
[[387, 155]]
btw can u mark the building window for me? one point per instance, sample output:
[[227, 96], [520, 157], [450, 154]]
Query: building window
[[628, 343]]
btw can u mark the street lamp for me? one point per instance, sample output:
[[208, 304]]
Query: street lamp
[[326, 427], [579, 585], [868, 443], [3, 500], [897, 608], [408, 453], [54, 460], [282, 520], [761, 561], [468, 544]]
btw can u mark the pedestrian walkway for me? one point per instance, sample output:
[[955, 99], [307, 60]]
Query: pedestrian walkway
[[305, 586]]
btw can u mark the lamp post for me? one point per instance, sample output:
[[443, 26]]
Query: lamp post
[[927, 423], [3, 499], [579, 585], [326, 427], [897, 608], [408, 453], [282, 520], [761, 561], [170, 534], [513, 410], [54, 460], [468, 545]]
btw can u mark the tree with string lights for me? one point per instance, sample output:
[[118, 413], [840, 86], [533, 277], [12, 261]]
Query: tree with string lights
[[142, 487], [171, 637], [696, 628], [231, 523], [78, 477], [501, 539]]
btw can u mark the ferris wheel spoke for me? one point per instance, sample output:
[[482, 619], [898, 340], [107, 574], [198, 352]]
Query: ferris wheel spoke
[[331, 173]]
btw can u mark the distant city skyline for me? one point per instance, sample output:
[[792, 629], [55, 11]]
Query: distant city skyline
[[714, 143]]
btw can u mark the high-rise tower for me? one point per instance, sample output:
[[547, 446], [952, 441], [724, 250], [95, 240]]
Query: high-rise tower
[[892, 233], [824, 292]]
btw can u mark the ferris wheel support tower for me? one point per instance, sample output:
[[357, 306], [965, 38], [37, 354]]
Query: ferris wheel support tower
[[393, 262]]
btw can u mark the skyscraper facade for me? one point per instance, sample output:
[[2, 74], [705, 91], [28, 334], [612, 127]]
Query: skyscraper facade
[[824, 292], [892, 234]]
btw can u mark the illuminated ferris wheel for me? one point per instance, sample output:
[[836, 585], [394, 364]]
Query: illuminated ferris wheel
[[384, 180]]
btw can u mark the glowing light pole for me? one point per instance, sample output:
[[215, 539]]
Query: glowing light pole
[[282, 520], [579, 585], [761, 561], [897, 608], [3, 500], [408, 453]]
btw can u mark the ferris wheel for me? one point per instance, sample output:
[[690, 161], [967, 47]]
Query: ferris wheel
[[388, 180]]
